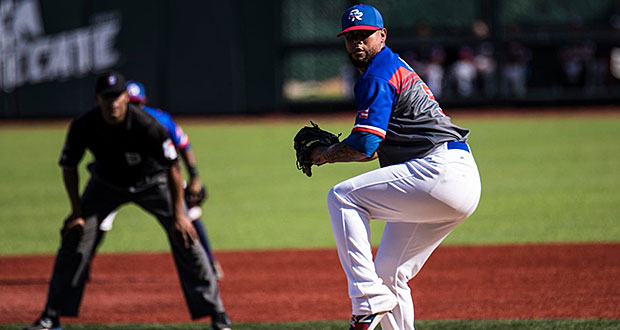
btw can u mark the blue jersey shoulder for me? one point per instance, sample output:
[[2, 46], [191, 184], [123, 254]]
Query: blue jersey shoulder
[[375, 94], [176, 133]]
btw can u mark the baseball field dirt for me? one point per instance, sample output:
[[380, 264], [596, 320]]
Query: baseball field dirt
[[458, 282]]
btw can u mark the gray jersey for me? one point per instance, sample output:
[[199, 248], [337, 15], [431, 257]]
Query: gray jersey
[[394, 103]]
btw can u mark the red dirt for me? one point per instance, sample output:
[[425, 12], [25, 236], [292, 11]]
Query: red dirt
[[499, 282]]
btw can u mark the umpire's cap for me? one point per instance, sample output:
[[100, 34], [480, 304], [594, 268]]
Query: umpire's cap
[[111, 82], [136, 91], [361, 17]]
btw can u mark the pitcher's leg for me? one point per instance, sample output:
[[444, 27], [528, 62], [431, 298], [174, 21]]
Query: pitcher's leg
[[385, 193], [351, 231], [404, 249]]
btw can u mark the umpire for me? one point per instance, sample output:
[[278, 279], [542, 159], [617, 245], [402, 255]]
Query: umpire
[[134, 161]]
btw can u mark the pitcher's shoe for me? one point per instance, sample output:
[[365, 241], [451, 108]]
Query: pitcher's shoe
[[45, 323], [366, 322]]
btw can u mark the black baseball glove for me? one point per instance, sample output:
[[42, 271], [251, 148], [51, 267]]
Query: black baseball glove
[[306, 140], [195, 198]]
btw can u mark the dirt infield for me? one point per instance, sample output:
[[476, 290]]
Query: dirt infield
[[500, 282]]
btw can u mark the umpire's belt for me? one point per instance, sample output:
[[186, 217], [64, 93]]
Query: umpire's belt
[[458, 145]]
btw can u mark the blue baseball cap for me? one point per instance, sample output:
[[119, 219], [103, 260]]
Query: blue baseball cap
[[136, 91], [361, 17]]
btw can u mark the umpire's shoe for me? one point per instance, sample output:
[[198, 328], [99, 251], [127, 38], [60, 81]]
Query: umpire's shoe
[[220, 321], [45, 323]]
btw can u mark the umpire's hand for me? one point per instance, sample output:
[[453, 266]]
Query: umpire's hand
[[72, 231], [185, 230]]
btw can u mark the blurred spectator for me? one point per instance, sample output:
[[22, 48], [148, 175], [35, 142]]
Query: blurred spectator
[[614, 21], [433, 73], [486, 67], [464, 72], [484, 61], [574, 59], [411, 56], [423, 30], [614, 62], [514, 72], [480, 29]]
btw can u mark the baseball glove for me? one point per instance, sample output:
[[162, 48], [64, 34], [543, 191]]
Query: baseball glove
[[308, 138], [195, 198]]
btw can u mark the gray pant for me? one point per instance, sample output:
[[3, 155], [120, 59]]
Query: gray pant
[[73, 261]]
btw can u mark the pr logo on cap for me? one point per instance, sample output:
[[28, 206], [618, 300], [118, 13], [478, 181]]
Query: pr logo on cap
[[361, 17], [355, 14], [111, 80]]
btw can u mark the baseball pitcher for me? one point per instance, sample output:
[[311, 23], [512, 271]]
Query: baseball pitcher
[[427, 184]]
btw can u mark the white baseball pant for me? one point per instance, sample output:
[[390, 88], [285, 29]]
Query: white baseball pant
[[421, 200]]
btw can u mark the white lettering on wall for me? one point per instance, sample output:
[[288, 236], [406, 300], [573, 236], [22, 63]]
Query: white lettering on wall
[[29, 56]]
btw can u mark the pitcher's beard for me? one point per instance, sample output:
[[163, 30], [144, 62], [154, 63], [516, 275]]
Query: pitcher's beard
[[359, 63], [363, 63]]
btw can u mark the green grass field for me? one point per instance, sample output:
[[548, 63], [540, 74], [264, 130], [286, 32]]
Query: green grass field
[[544, 180]]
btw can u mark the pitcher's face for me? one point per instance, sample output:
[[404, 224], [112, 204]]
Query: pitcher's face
[[363, 45]]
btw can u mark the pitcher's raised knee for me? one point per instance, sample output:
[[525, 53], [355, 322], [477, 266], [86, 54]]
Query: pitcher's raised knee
[[336, 196]]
